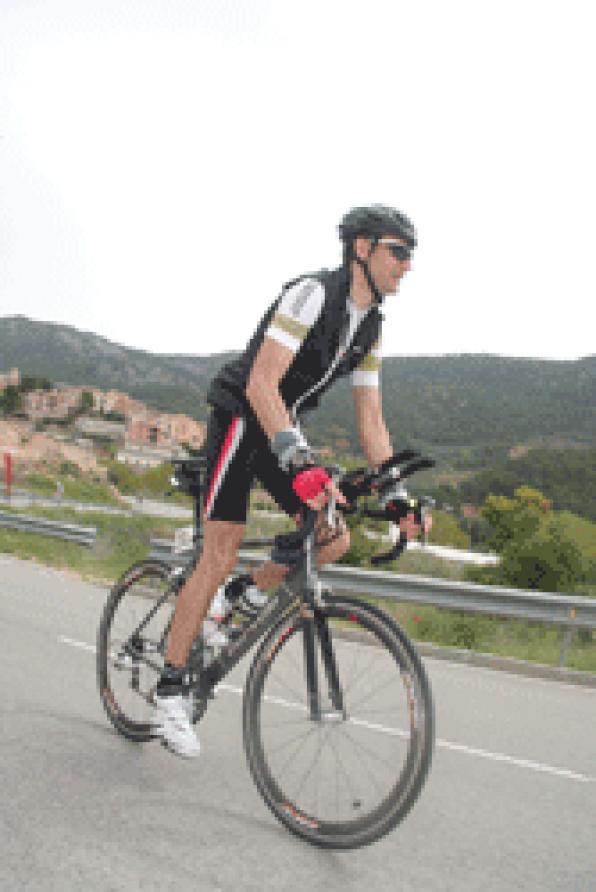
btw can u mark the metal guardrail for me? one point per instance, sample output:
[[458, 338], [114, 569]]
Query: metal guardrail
[[56, 528], [548, 607]]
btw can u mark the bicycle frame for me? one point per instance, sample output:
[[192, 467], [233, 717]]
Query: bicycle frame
[[302, 585], [300, 622]]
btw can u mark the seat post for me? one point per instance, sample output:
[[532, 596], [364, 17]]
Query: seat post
[[198, 503], [189, 476]]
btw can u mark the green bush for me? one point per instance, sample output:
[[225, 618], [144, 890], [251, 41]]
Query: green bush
[[76, 488], [40, 483], [547, 560], [452, 628], [537, 548], [154, 482], [70, 469], [447, 531]]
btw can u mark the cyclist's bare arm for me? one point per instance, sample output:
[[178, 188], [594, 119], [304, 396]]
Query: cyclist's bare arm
[[262, 391], [374, 436], [376, 442], [297, 310]]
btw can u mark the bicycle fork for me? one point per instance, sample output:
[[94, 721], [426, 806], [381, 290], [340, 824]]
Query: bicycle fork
[[316, 629]]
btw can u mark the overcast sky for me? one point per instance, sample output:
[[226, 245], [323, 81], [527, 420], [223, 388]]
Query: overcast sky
[[166, 165]]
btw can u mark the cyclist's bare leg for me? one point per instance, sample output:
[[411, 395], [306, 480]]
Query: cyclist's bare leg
[[330, 548], [218, 559], [221, 541]]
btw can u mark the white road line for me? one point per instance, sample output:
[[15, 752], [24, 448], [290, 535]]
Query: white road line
[[441, 744], [512, 760], [80, 644]]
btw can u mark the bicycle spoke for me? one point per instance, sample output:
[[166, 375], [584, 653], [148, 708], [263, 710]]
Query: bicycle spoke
[[348, 777], [376, 690], [359, 745], [359, 676], [292, 739], [292, 755], [309, 769]]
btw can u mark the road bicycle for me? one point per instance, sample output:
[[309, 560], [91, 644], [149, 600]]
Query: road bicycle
[[338, 720]]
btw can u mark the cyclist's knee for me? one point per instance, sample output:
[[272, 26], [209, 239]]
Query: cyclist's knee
[[332, 542], [341, 544]]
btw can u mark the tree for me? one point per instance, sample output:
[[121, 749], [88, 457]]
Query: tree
[[86, 404], [536, 550], [10, 400], [34, 382], [514, 519], [548, 560]]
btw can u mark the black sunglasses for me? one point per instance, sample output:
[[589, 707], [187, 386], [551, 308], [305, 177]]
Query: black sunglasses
[[400, 252]]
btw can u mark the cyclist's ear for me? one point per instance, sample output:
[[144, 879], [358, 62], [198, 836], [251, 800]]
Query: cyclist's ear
[[362, 248]]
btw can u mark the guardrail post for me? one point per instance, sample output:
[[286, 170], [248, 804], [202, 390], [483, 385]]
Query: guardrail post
[[566, 636], [8, 474]]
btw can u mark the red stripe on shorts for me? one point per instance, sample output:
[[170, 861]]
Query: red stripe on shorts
[[221, 460]]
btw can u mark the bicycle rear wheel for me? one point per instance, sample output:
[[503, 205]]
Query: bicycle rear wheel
[[342, 767], [131, 645]]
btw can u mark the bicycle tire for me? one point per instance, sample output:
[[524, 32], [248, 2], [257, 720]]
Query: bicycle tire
[[127, 680], [357, 625]]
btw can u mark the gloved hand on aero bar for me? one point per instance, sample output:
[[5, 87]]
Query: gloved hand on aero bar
[[391, 488], [398, 507], [310, 481]]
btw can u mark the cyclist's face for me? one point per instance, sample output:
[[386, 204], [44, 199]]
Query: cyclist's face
[[386, 269]]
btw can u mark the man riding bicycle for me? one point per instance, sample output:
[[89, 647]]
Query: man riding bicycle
[[323, 326]]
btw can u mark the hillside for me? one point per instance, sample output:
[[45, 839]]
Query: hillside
[[465, 409], [566, 477], [62, 353]]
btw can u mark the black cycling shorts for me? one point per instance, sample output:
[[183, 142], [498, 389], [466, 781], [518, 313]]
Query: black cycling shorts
[[238, 451]]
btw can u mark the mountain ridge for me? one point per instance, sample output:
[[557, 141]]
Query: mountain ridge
[[444, 402]]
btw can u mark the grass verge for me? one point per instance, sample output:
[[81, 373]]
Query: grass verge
[[121, 541], [74, 489]]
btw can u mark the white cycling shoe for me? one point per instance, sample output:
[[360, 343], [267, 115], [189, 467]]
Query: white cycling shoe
[[173, 725]]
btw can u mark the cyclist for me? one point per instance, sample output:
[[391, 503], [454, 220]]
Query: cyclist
[[323, 325]]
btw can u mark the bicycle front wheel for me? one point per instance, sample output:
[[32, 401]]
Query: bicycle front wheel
[[338, 723]]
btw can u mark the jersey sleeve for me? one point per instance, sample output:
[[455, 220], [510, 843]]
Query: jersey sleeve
[[366, 373], [297, 311]]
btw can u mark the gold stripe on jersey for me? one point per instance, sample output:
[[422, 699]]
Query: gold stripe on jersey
[[290, 326]]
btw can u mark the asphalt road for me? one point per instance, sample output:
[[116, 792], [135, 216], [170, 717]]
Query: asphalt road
[[510, 802]]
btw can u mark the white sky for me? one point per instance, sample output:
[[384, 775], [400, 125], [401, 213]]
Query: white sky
[[165, 165]]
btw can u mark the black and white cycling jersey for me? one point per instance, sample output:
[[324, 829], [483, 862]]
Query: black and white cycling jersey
[[298, 310], [328, 334]]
